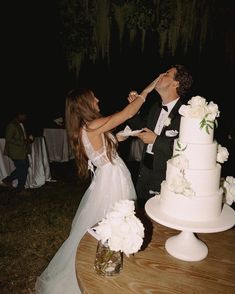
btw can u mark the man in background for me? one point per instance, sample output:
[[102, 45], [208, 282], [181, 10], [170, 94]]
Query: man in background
[[17, 147]]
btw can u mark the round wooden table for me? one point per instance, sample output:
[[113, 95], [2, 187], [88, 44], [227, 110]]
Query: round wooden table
[[153, 270]]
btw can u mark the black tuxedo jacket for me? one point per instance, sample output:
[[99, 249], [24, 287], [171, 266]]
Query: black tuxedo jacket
[[163, 145]]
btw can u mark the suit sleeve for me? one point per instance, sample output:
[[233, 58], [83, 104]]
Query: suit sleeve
[[12, 135]]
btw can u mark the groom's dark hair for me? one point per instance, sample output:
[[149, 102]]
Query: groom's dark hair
[[184, 78]]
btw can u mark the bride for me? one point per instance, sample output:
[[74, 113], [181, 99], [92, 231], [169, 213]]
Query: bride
[[94, 148]]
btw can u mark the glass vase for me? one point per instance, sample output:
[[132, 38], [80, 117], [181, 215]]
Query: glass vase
[[107, 261]]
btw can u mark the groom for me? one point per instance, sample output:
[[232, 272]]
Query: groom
[[161, 128]]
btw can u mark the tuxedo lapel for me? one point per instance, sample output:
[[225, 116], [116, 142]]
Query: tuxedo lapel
[[154, 117], [175, 109]]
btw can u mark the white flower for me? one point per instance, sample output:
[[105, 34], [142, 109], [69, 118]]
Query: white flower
[[180, 185], [121, 228], [180, 161], [198, 108], [229, 187], [197, 101], [222, 154], [198, 111], [213, 111], [167, 121], [124, 207]]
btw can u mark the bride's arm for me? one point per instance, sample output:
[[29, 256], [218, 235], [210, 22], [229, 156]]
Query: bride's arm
[[133, 94], [108, 123], [104, 124]]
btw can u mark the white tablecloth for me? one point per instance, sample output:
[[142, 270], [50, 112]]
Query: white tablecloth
[[39, 169], [57, 145]]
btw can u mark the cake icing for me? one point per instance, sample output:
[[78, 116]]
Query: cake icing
[[191, 132], [191, 190], [200, 156]]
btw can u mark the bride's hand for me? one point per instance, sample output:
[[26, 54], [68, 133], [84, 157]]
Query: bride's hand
[[133, 94], [151, 86]]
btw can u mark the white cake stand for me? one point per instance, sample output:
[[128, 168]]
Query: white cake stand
[[186, 246]]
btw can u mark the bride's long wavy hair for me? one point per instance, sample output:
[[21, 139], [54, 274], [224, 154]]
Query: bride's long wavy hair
[[80, 110]]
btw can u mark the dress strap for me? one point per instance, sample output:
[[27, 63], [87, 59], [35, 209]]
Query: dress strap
[[91, 167]]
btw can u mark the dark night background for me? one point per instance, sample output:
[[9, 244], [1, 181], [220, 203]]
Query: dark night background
[[35, 72]]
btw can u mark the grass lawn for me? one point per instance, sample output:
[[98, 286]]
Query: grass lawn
[[33, 227]]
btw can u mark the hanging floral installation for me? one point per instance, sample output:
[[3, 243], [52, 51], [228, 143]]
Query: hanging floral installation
[[87, 26]]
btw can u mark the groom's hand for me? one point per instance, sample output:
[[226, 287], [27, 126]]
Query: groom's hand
[[147, 136]]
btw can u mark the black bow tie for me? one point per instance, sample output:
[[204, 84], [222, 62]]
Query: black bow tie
[[164, 107]]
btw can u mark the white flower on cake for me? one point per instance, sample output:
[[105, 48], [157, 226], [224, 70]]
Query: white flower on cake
[[222, 154], [180, 161], [199, 108], [213, 111], [229, 186], [180, 185], [121, 229], [167, 121]]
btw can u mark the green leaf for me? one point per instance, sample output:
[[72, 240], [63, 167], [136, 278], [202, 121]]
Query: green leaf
[[184, 148], [178, 144]]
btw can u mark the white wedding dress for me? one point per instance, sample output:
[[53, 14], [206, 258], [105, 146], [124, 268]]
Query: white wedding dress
[[110, 183]]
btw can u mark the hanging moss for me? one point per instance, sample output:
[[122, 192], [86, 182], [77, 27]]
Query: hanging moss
[[102, 27], [75, 61], [87, 26], [120, 15]]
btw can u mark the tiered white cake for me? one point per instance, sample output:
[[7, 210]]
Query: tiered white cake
[[191, 190]]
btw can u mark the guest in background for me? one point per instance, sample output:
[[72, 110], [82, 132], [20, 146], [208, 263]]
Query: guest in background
[[161, 127], [17, 147], [94, 147]]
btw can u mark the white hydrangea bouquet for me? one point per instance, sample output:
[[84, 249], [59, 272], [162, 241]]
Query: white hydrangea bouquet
[[229, 188], [121, 229], [198, 107]]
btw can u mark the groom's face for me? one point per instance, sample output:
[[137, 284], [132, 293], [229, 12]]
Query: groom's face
[[166, 80]]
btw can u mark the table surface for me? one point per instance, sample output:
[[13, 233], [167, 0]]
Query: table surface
[[153, 270]]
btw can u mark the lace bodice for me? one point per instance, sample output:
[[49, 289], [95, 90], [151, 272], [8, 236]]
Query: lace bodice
[[97, 157]]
